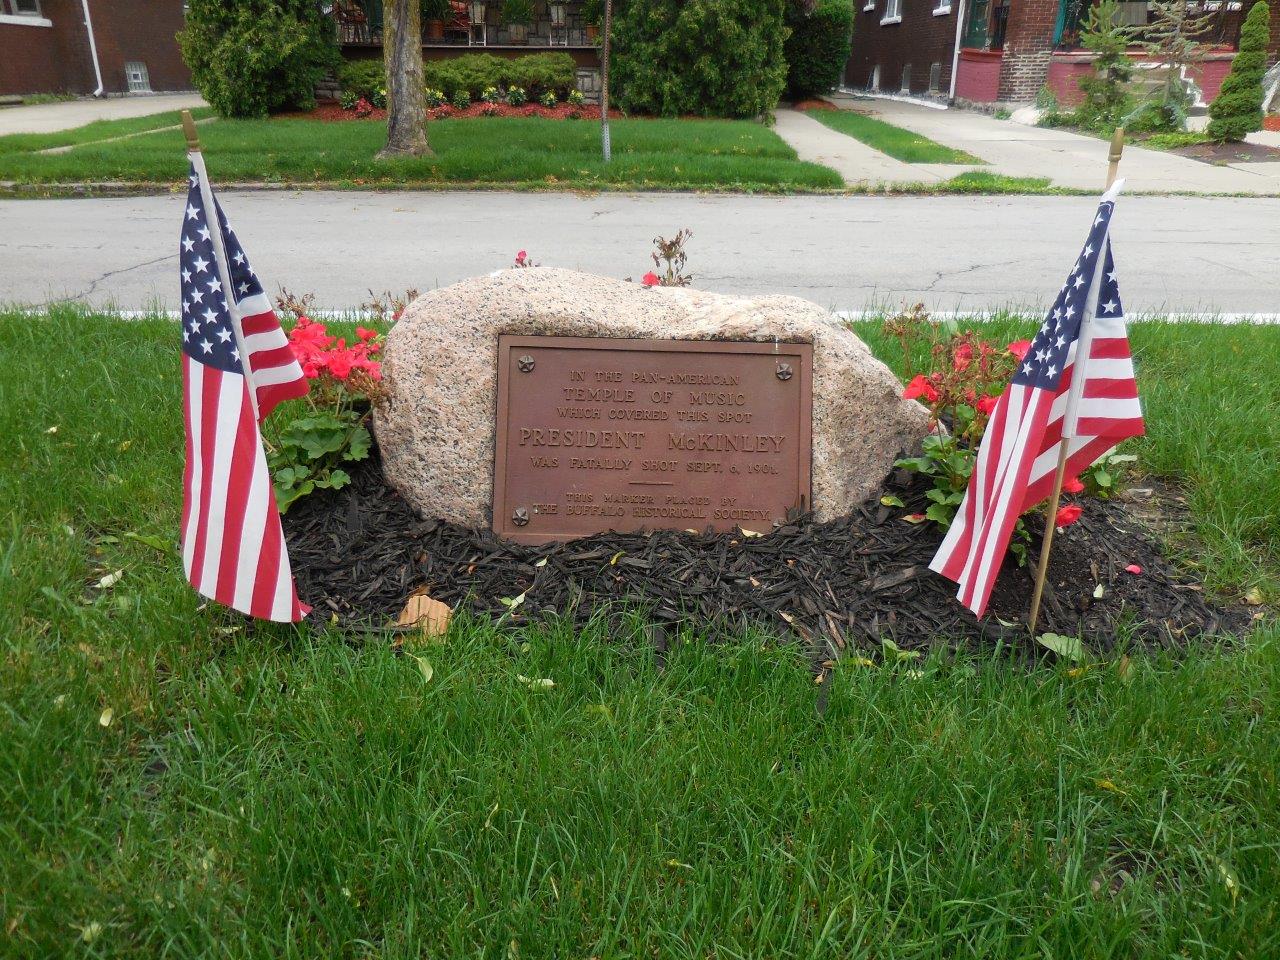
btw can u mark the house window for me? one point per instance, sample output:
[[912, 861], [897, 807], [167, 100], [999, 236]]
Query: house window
[[21, 8], [935, 77], [870, 5], [906, 78], [892, 12], [942, 8], [874, 85], [135, 73]]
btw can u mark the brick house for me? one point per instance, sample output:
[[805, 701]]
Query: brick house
[[1006, 51], [91, 46]]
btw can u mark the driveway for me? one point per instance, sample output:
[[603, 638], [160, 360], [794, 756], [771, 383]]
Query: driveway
[[50, 117], [1184, 254], [1066, 159]]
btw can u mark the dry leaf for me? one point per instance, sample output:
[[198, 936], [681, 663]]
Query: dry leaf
[[1253, 597], [1108, 785], [613, 561], [422, 611], [1098, 592], [104, 719], [751, 533], [52, 430], [110, 580]]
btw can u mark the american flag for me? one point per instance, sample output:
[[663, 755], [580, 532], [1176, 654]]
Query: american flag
[[236, 367], [1047, 400]]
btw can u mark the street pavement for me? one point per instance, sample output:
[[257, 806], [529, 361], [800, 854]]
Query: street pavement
[[1175, 254]]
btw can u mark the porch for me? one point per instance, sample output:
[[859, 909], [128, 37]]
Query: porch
[[475, 26]]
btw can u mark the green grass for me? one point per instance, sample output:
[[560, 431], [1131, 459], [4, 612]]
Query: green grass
[[678, 154], [18, 143], [896, 142], [270, 792], [1172, 141]]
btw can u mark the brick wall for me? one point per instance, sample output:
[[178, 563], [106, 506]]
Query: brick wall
[[1028, 46], [922, 39], [142, 30], [56, 59]]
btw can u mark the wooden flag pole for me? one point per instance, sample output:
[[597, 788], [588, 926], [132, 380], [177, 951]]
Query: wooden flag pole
[[1059, 478], [189, 128]]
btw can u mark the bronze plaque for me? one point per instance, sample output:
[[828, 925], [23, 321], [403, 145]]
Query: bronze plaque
[[599, 434]]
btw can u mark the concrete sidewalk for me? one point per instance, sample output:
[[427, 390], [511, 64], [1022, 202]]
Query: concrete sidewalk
[[1067, 159], [51, 117]]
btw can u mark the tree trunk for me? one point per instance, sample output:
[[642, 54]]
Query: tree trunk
[[402, 58]]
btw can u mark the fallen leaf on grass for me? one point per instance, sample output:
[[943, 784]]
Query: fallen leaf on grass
[[1253, 597], [428, 671], [52, 430], [150, 540], [91, 931], [104, 718], [511, 602], [1069, 647], [538, 683], [1110, 787], [422, 611], [110, 580]]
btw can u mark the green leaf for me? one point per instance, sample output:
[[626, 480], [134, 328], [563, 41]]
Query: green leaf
[[893, 653], [1069, 648], [151, 540], [360, 445], [940, 515], [1102, 478], [891, 501]]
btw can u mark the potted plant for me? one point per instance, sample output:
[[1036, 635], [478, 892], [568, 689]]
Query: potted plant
[[434, 13], [592, 15], [517, 15]]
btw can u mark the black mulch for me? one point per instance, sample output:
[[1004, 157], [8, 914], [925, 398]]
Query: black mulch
[[839, 585]]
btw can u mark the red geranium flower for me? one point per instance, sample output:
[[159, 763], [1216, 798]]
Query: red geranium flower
[[987, 403], [651, 279], [920, 387], [1073, 486], [1068, 515], [963, 355], [1019, 348], [365, 334]]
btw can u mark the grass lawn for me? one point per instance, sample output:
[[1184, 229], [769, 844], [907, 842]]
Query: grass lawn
[[895, 141], [97, 130], [516, 152], [259, 791]]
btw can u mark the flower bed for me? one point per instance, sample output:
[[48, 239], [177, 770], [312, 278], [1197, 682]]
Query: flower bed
[[332, 111]]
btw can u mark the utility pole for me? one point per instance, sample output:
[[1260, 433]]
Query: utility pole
[[605, 144]]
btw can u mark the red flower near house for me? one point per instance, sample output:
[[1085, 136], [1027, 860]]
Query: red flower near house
[[1019, 348], [987, 404], [920, 387], [1073, 486], [365, 334], [963, 356], [651, 279], [1068, 515]]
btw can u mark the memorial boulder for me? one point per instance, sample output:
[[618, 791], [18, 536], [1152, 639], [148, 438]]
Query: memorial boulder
[[554, 404]]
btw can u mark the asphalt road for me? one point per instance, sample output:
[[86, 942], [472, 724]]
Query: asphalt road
[[1175, 254]]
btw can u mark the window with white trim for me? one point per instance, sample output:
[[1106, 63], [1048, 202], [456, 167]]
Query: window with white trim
[[942, 8], [892, 12], [21, 8], [871, 5]]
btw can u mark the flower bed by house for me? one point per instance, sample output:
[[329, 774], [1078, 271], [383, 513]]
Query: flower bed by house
[[332, 111]]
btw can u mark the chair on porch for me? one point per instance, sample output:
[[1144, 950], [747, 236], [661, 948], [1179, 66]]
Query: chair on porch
[[353, 24], [460, 21]]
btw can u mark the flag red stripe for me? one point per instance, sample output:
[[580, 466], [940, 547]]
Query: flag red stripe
[[187, 467], [264, 591], [259, 323], [237, 501], [1098, 389], [209, 390], [1110, 348], [274, 394], [270, 359]]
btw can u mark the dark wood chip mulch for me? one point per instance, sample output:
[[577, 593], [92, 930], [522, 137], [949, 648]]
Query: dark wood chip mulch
[[838, 586]]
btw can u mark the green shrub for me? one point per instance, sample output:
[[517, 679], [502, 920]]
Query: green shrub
[[249, 58], [517, 11], [719, 58], [364, 78], [542, 72], [818, 47], [436, 10], [1237, 110], [461, 99], [475, 72]]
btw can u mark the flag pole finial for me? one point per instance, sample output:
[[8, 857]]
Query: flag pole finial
[[1113, 156], [189, 128]]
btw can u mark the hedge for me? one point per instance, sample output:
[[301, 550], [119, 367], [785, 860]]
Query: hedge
[[721, 58], [818, 47], [1237, 109]]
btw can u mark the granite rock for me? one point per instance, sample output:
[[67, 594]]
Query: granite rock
[[437, 430]]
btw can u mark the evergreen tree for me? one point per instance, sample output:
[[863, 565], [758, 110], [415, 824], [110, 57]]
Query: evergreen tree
[[1172, 39], [1105, 96], [1237, 110]]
